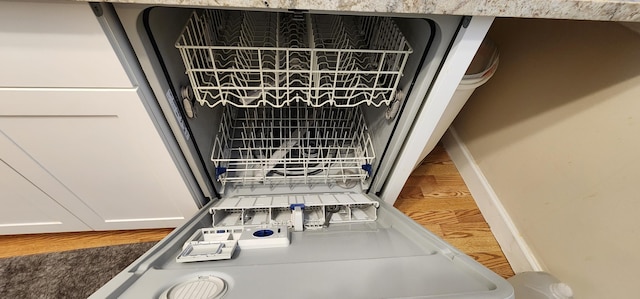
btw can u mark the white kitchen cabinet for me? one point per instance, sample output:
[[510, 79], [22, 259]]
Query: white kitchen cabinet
[[78, 149], [27, 209], [55, 44], [103, 158]]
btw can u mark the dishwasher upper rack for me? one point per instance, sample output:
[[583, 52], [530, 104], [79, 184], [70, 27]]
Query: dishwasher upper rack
[[293, 145], [252, 59]]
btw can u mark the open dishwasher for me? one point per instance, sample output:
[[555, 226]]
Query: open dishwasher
[[288, 126]]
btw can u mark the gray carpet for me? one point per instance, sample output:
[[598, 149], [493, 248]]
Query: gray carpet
[[69, 274]]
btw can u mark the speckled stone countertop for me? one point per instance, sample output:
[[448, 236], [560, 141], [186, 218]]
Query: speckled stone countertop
[[608, 10]]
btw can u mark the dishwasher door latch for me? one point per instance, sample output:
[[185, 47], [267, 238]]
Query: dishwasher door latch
[[298, 15]]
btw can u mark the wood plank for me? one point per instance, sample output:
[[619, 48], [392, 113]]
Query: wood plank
[[433, 217], [450, 180], [410, 192], [437, 168], [421, 180], [469, 215], [17, 245], [452, 193], [435, 204], [434, 228], [462, 230]]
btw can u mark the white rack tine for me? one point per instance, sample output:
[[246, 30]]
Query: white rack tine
[[241, 150], [254, 147]]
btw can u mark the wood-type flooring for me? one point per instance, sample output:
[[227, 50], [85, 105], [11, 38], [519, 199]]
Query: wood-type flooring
[[436, 197]]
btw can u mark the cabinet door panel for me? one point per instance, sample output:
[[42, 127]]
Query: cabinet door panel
[[49, 44], [27, 209], [102, 147]]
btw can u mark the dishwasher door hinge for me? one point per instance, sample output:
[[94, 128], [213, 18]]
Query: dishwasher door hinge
[[97, 9], [466, 20]]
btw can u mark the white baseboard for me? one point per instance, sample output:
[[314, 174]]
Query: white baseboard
[[514, 247]]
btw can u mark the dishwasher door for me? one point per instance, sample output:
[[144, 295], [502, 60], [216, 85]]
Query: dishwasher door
[[392, 257]]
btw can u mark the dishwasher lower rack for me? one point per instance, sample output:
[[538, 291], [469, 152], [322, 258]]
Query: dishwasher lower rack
[[252, 59], [294, 145]]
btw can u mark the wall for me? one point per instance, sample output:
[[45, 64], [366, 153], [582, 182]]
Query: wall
[[556, 132]]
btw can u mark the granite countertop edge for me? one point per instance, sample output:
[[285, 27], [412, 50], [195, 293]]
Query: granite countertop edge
[[604, 10]]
